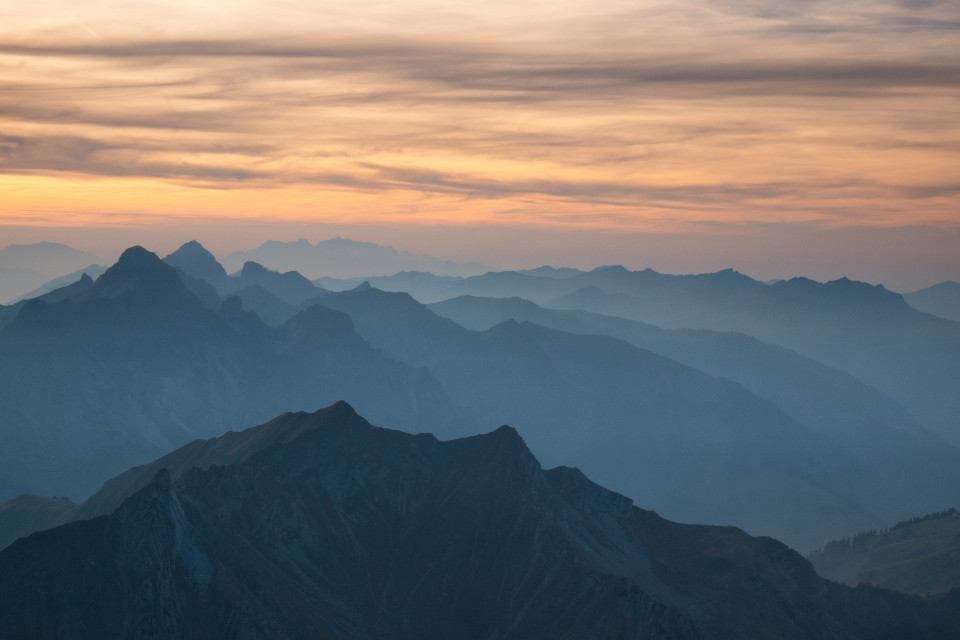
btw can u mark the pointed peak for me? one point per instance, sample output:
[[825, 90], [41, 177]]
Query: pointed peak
[[506, 432], [192, 248], [363, 286], [338, 410], [137, 256]]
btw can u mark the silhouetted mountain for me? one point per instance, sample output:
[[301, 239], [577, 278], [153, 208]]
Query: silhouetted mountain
[[337, 529], [25, 514], [345, 258], [127, 368], [268, 307], [901, 466], [867, 331], [552, 272], [941, 300], [291, 287], [919, 556], [91, 271], [25, 267], [196, 261], [694, 447]]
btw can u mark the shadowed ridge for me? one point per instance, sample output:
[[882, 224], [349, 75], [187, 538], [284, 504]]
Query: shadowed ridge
[[230, 448], [291, 287]]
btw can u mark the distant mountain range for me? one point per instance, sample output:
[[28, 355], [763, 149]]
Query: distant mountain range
[[345, 258], [864, 330], [101, 375], [322, 526], [25, 267], [941, 300], [106, 374]]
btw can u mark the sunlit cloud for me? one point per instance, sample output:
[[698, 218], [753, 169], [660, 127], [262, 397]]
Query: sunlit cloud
[[613, 115]]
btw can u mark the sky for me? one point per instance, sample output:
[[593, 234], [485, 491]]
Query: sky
[[780, 137]]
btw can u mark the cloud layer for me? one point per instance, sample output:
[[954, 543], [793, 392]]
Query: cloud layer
[[611, 115]]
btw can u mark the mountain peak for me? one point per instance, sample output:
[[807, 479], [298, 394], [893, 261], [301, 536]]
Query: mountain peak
[[612, 268], [252, 268], [196, 261], [137, 257]]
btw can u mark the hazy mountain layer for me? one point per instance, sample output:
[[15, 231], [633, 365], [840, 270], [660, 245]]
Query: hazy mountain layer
[[941, 300], [864, 330], [337, 529], [24, 267], [901, 467], [345, 258], [697, 448], [117, 372]]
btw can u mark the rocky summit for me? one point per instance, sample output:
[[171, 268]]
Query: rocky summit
[[323, 526]]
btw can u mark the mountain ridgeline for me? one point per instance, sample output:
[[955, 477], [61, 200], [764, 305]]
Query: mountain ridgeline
[[702, 426], [115, 372], [323, 526], [866, 331]]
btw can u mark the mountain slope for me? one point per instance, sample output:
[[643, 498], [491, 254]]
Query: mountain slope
[[24, 267], [919, 556], [127, 368], [901, 466], [352, 532], [941, 299], [864, 330], [689, 445]]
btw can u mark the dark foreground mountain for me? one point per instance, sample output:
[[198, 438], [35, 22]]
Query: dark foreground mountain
[[919, 556], [322, 526]]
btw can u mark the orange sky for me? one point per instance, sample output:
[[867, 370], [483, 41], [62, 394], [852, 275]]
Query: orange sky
[[618, 117]]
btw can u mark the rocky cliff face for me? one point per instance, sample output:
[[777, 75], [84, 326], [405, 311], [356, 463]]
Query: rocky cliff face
[[323, 526]]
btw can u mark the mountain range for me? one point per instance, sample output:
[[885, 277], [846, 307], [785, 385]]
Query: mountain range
[[323, 526], [941, 299], [25, 267], [106, 374], [863, 330], [131, 364], [345, 258]]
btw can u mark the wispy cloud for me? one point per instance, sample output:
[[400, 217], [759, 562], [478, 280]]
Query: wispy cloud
[[752, 108]]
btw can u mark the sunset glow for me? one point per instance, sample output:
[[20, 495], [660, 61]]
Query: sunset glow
[[615, 116]]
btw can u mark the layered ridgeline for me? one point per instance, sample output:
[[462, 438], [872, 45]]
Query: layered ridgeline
[[941, 299], [322, 526], [697, 448], [111, 373], [24, 267], [902, 467], [108, 374], [342, 257], [867, 331]]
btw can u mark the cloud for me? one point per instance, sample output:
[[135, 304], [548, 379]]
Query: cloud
[[793, 108]]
